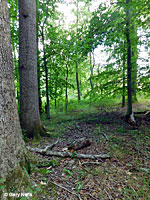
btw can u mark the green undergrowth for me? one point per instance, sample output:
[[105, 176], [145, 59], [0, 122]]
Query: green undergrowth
[[76, 112]]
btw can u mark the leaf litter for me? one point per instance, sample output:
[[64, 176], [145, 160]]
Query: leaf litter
[[125, 176]]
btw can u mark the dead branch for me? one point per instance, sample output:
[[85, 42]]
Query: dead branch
[[64, 188], [51, 146], [42, 151], [68, 154]]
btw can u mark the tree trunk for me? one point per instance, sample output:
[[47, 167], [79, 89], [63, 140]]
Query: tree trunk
[[129, 64], [77, 81], [45, 66], [39, 78], [46, 77], [66, 99], [56, 92], [91, 69], [15, 61], [11, 142], [55, 103], [77, 74], [134, 51], [29, 105], [123, 87], [38, 61]]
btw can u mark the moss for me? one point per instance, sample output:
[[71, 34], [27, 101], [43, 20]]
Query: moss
[[17, 178], [17, 181], [37, 132]]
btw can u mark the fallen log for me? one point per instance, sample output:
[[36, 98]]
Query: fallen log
[[68, 154]]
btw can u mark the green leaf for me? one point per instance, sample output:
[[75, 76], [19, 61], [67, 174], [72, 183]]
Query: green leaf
[[23, 198], [2, 180], [67, 171], [2, 186], [44, 179]]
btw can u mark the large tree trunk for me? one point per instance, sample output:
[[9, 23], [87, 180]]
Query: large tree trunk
[[29, 105], [11, 141]]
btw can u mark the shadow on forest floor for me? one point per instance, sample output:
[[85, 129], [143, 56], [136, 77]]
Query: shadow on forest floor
[[126, 175]]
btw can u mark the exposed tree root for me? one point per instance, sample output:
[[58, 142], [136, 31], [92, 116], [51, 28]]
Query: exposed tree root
[[130, 119], [44, 132]]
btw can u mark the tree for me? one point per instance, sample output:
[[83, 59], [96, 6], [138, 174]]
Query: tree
[[29, 105], [129, 63], [45, 67], [11, 142], [134, 52]]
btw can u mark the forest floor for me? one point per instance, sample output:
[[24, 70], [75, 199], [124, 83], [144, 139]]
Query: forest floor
[[125, 175]]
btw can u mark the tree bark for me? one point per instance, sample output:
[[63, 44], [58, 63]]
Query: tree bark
[[29, 105], [11, 142]]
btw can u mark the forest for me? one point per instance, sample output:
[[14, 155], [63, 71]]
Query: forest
[[74, 99]]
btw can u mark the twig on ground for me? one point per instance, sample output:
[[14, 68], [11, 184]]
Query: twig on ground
[[64, 188], [89, 163], [105, 136], [109, 196], [94, 198]]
